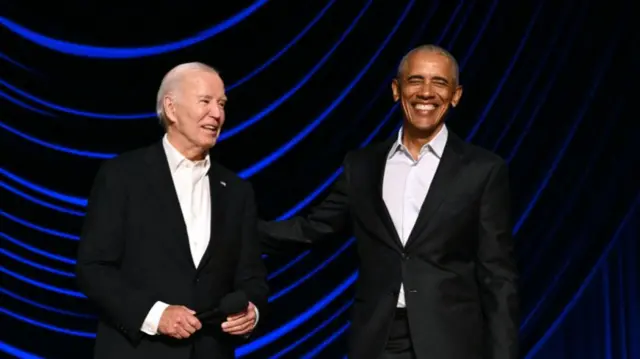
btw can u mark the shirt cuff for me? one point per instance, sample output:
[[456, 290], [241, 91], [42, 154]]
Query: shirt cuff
[[150, 324]]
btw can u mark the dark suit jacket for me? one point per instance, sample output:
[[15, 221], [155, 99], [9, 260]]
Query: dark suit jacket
[[134, 251], [457, 266]]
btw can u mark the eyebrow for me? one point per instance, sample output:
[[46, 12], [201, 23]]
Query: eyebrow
[[209, 97], [420, 77]]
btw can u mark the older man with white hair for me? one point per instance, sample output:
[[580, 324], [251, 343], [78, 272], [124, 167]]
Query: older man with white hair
[[169, 244]]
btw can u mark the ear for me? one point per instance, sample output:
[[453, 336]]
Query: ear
[[168, 104], [456, 96], [395, 89]]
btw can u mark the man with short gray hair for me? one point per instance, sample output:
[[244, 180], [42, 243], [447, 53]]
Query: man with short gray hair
[[170, 237], [437, 274]]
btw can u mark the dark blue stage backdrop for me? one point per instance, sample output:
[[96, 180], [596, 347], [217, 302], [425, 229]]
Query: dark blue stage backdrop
[[549, 86]]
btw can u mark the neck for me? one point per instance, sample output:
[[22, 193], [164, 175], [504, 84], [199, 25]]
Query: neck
[[414, 139], [186, 148]]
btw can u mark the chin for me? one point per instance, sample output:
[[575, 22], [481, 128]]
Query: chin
[[426, 126]]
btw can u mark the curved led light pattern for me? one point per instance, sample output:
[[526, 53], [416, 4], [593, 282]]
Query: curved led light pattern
[[70, 48], [137, 116], [516, 62], [39, 228], [248, 172], [56, 147]]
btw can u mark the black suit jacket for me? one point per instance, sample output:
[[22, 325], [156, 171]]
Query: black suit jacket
[[457, 266], [134, 251]]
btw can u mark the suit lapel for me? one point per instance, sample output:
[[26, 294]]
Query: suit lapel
[[163, 188], [441, 186], [377, 168], [219, 197]]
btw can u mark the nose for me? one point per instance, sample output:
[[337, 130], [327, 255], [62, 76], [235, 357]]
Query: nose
[[215, 111], [426, 90]]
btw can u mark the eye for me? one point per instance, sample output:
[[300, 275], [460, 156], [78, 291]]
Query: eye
[[222, 104], [204, 101]]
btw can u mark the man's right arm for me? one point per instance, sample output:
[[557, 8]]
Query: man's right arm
[[328, 218], [101, 250]]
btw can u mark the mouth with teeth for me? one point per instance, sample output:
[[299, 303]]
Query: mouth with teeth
[[210, 129], [424, 108]]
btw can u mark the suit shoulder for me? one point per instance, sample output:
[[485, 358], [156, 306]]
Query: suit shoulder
[[125, 161], [482, 155], [365, 152]]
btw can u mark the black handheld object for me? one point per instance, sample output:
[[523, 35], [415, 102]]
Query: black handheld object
[[232, 303]]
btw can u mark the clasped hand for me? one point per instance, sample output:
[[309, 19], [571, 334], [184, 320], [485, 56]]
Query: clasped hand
[[241, 323], [178, 322]]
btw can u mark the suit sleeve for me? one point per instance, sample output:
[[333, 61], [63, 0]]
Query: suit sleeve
[[327, 219], [251, 272], [100, 251], [497, 270]]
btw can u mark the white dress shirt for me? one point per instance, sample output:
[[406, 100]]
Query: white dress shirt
[[406, 183], [192, 187]]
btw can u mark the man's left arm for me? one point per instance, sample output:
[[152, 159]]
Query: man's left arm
[[250, 273], [497, 269]]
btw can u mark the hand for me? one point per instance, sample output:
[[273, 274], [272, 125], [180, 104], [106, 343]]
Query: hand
[[178, 322], [241, 323]]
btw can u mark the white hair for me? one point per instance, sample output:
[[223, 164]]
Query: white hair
[[169, 83], [434, 49]]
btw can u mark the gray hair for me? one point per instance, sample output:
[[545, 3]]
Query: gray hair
[[430, 48], [169, 83]]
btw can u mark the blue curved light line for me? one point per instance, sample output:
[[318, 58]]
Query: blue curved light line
[[483, 27], [248, 172], [36, 265], [542, 97], [56, 147], [14, 62], [284, 49], [335, 175], [461, 25], [275, 334], [38, 228], [82, 202], [576, 123], [288, 265], [44, 306], [507, 72], [315, 330], [275, 104], [534, 77], [45, 325], [312, 272], [17, 353], [24, 105], [75, 49], [45, 286], [38, 201], [585, 284], [49, 255], [241, 351], [133, 116], [536, 254], [136, 116], [326, 342]]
